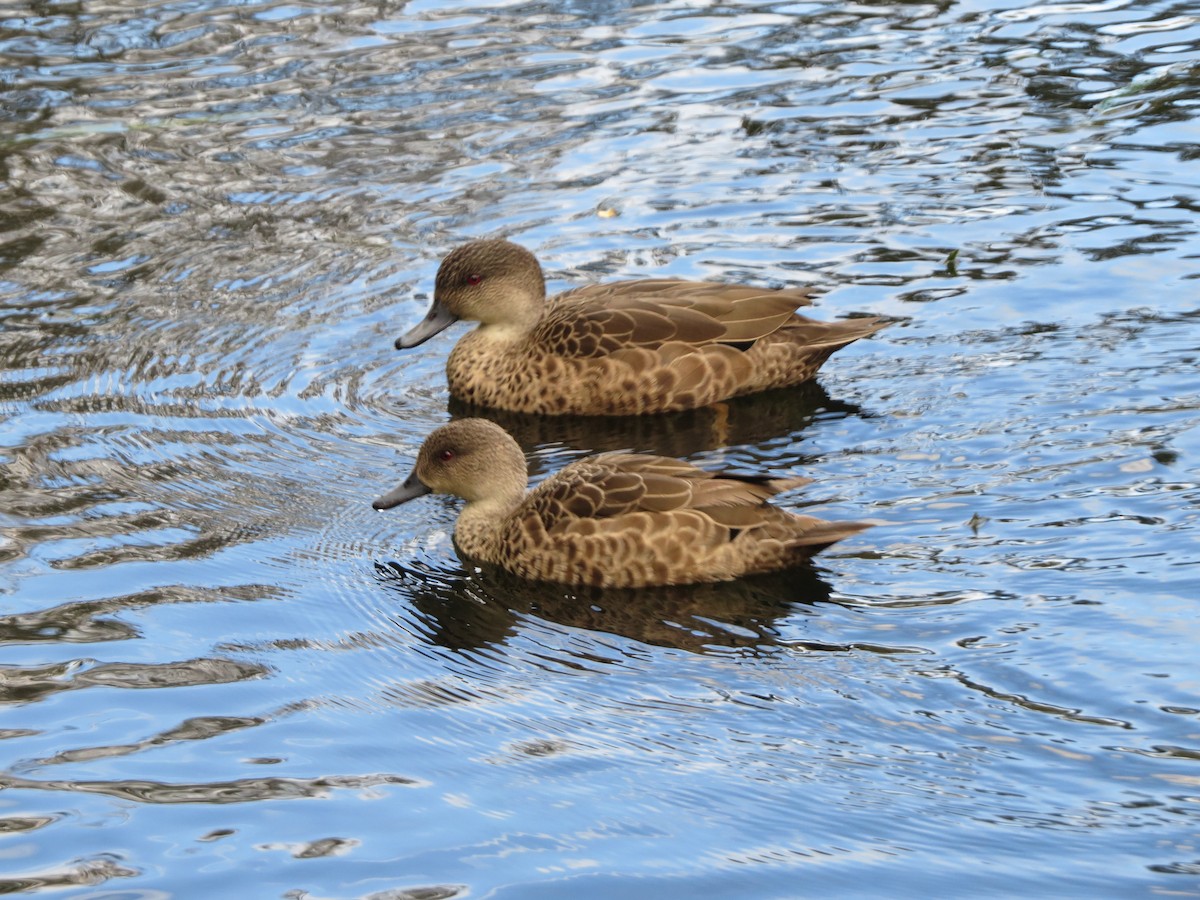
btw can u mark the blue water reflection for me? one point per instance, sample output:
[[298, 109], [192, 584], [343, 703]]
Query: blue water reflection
[[224, 675]]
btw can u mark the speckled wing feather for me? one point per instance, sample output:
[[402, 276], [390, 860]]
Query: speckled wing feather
[[612, 485], [598, 320]]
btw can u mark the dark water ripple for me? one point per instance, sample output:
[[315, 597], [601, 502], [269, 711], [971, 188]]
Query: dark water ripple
[[218, 668]]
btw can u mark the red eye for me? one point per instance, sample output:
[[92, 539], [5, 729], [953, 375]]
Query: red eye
[[474, 279], [446, 455]]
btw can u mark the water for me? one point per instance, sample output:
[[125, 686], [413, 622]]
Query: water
[[223, 674]]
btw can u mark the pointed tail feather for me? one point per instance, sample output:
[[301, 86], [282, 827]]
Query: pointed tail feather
[[817, 534]]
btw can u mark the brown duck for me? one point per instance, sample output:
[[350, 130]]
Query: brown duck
[[628, 348], [611, 520]]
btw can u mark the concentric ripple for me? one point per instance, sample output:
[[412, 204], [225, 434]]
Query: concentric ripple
[[224, 674]]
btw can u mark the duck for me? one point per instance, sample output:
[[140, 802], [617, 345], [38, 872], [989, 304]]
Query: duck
[[612, 520], [620, 348]]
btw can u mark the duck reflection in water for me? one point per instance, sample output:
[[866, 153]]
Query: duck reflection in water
[[742, 421], [466, 610]]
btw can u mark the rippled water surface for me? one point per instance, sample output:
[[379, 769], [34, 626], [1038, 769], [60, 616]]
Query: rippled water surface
[[223, 674]]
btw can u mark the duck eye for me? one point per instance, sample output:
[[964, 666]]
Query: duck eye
[[474, 278], [446, 455]]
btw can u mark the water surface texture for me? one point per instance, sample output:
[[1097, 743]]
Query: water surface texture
[[223, 675]]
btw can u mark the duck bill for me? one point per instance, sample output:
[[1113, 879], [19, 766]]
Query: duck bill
[[412, 488], [439, 318]]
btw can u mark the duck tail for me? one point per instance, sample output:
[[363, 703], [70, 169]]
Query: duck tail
[[812, 535]]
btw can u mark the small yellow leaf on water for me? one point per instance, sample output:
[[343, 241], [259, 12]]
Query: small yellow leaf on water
[[607, 212]]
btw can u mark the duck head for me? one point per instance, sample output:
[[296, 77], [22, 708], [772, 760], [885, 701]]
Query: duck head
[[493, 282], [474, 459]]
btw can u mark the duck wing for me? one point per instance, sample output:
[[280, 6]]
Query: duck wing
[[599, 320], [628, 520], [608, 490]]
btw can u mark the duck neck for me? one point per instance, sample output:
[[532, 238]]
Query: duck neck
[[501, 332], [514, 314], [481, 522]]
